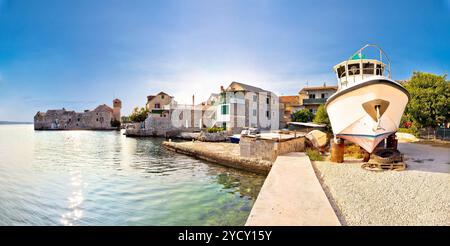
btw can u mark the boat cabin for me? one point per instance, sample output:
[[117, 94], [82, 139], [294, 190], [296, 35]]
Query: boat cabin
[[354, 71], [358, 68]]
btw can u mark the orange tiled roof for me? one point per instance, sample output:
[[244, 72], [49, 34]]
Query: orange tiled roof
[[289, 99]]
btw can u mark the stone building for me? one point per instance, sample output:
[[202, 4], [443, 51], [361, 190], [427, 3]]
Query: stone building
[[312, 97], [101, 118], [117, 106], [158, 101]]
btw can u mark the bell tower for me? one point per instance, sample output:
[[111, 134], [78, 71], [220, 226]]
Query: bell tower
[[117, 105]]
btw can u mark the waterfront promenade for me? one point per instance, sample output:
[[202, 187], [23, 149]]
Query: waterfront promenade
[[292, 196]]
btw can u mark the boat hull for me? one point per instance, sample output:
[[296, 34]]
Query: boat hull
[[353, 115]]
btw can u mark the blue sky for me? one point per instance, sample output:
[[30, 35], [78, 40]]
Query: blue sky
[[81, 53]]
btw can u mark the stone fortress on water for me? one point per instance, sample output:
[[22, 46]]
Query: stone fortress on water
[[102, 117]]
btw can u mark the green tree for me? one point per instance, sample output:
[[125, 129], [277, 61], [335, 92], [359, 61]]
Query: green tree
[[125, 119], [322, 117], [428, 106], [303, 115], [115, 123], [138, 114]]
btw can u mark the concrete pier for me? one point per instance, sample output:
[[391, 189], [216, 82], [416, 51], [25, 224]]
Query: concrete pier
[[292, 195], [226, 154]]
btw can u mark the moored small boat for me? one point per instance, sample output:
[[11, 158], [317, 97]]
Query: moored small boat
[[368, 104], [235, 138]]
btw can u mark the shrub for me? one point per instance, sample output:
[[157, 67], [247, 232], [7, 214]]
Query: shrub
[[354, 150], [412, 130], [322, 117], [303, 115], [314, 155], [215, 129]]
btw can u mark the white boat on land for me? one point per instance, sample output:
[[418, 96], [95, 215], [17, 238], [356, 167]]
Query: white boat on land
[[368, 104]]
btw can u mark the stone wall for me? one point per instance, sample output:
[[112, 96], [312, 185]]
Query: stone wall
[[213, 136], [159, 126], [269, 150], [71, 120]]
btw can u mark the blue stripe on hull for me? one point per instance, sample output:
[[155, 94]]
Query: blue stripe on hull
[[363, 135]]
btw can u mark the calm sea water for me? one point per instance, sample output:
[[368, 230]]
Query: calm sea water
[[104, 178]]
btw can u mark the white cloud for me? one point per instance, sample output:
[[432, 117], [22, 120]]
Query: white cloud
[[203, 82], [182, 80]]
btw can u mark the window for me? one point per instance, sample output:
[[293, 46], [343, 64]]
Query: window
[[225, 109], [254, 112], [323, 95], [353, 69], [368, 68], [97, 119], [268, 114], [254, 98], [379, 70], [341, 71], [268, 100], [78, 119], [157, 105], [312, 96], [162, 96]]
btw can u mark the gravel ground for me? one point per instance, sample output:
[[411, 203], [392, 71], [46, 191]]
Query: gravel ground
[[418, 196]]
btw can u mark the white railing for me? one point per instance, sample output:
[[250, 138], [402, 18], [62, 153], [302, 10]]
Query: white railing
[[381, 52]]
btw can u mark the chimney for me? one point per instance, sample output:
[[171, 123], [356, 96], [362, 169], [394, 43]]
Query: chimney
[[193, 100], [222, 89], [324, 84]]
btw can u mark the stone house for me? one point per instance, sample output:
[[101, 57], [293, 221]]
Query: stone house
[[100, 118], [159, 104]]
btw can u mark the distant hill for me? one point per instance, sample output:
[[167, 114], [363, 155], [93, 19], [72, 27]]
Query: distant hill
[[14, 123]]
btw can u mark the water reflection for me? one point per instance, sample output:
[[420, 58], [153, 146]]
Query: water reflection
[[75, 200], [104, 178]]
